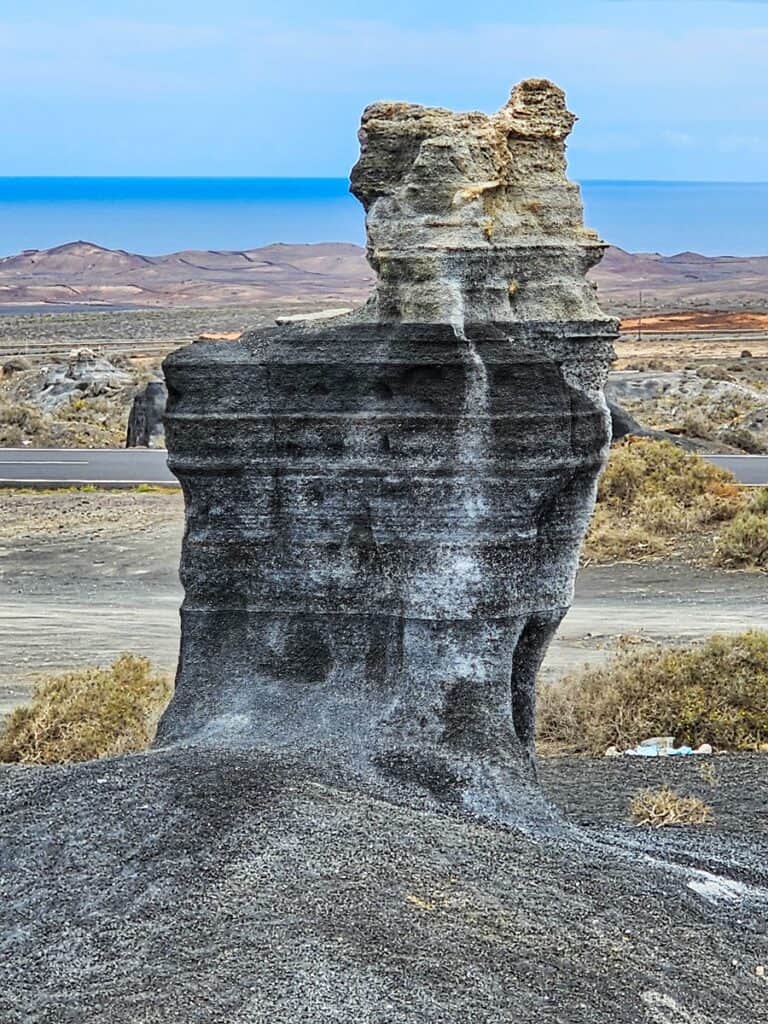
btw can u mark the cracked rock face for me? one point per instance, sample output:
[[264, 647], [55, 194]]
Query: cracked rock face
[[384, 512]]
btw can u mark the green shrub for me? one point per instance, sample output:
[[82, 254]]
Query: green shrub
[[91, 713], [713, 693]]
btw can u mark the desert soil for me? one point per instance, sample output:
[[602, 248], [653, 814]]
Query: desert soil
[[84, 576], [678, 348], [196, 884], [697, 321]]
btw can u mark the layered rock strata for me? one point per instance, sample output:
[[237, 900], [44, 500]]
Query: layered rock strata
[[471, 217], [384, 512]]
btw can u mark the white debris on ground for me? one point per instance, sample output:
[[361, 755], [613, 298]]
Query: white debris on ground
[[658, 746]]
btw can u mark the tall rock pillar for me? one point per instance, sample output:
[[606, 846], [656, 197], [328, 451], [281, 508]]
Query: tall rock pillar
[[384, 513]]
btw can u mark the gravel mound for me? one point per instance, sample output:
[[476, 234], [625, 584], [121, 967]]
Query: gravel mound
[[208, 886]]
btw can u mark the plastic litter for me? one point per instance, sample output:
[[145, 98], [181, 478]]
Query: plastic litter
[[659, 746]]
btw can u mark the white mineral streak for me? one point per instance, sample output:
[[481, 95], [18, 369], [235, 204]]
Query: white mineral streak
[[476, 413], [471, 217], [717, 887]]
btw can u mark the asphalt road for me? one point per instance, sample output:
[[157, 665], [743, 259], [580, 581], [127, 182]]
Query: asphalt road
[[113, 467], [748, 469], [70, 467]]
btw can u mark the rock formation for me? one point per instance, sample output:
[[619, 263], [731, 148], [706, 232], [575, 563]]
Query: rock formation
[[624, 424], [84, 375], [145, 422], [384, 513], [471, 218]]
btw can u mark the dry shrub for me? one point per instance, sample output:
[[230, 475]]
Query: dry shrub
[[649, 364], [92, 422], [652, 494], [743, 543], [742, 438], [610, 540], [658, 808], [714, 372], [91, 713], [713, 693], [693, 423], [18, 422]]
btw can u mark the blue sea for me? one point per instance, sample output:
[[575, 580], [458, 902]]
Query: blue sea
[[159, 215]]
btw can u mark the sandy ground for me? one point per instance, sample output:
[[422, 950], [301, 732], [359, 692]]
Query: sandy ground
[[679, 349], [84, 576]]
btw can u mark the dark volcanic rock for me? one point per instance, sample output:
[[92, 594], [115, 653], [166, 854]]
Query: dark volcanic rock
[[145, 422], [384, 514], [622, 424], [227, 887], [378, 545]]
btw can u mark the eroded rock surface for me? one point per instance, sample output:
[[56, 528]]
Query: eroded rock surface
[[471, 217], [384, 512], [84, 375], [383, 522], [145, 422]]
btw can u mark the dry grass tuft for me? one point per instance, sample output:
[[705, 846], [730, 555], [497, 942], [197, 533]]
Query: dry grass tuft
[[713, 693], [156, 489], [653, 493], [91, 713], [658, 808], [743, 543]]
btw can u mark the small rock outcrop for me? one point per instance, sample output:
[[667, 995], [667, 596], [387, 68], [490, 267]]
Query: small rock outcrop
[[84, 375], [16, 364], [145, 421], [623, 424], [384, 512]]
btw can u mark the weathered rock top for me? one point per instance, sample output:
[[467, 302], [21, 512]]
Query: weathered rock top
[[471, 217]]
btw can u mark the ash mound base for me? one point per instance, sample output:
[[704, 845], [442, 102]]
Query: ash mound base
[[215, 886]]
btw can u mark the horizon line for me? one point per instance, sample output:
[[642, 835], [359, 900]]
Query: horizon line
[[322, 177]]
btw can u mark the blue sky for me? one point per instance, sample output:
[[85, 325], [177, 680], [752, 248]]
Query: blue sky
[[665, 89]]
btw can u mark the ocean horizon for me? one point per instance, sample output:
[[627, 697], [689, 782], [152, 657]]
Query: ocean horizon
[[154, 216]]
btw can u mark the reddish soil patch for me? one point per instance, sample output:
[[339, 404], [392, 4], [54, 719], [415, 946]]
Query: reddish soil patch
[[699, 321]]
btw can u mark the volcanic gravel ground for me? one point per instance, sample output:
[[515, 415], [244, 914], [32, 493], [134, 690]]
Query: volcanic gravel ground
[[230, 888]]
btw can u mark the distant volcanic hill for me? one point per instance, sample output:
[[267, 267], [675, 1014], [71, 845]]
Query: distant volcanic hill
[[686, 281], [337, 274], [81, 272]]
